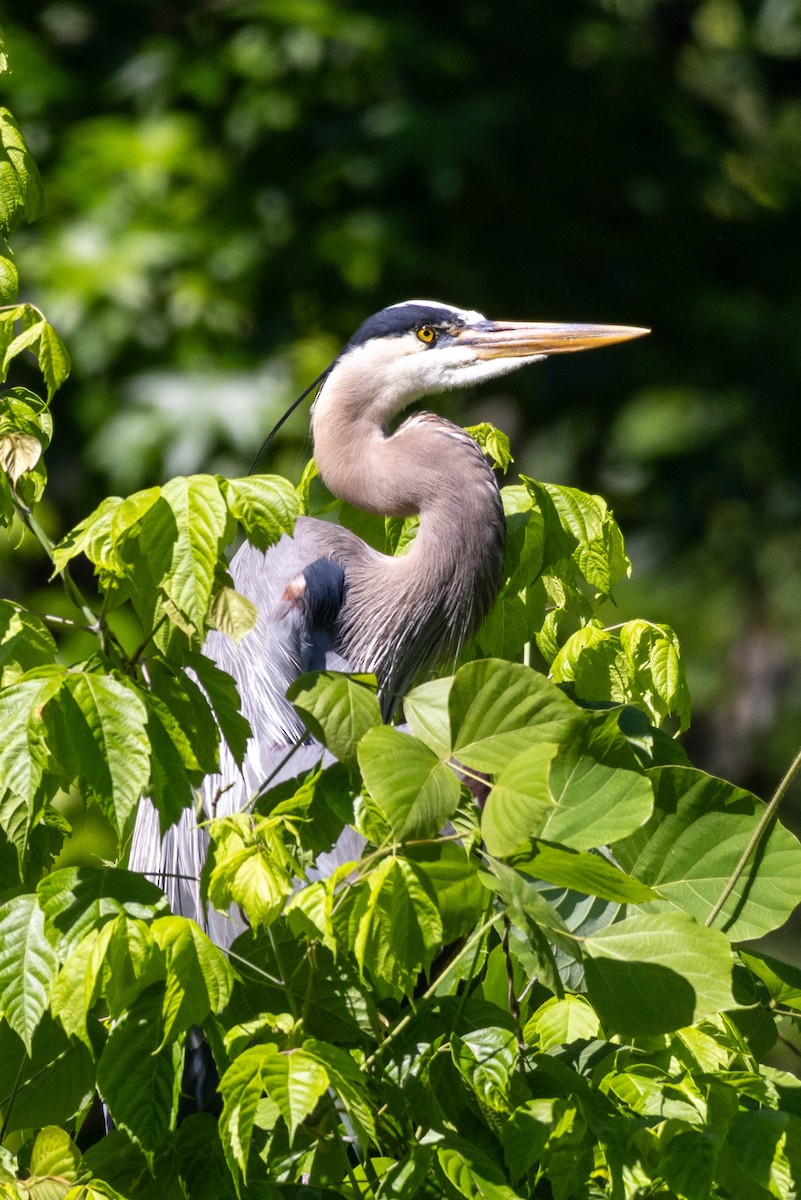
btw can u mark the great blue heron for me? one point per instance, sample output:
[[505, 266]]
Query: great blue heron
[[324, 597]]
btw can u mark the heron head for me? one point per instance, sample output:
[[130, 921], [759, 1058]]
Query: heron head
[[421, 346]]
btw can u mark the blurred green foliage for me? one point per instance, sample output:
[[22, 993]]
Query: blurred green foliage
[[233, 186]]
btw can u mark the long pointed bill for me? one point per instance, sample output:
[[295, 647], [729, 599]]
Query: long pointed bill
[[521, 339]]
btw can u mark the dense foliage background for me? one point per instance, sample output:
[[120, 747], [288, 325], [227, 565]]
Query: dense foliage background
[[232, 187]]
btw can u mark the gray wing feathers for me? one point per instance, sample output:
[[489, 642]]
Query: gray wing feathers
[[281, 647]]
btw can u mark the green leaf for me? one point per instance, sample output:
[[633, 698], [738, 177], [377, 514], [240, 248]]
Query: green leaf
[[526, 1132], [55, 1163], [138, 1080], [688, 852], [199, 978], [689, 1164], [599, 790], [75, 900], [399, 930], [599, 551], [493, 443], [21, 761], [201, 534], [559, 1022], [471, 1172], [221, 693], [499, 709], [415, 792], [200, 1159], [54, 359], [761, 1156], [28, 965], [241, 1088], [426, 711], [53, 1082], [452, 875], [96, 728], [25, 643], [21, 193], [652, 974], [250, 867], [93, 537], [295, 1081], [233, 614], [9, 282], [337, 709], [350, 1085], [265, 506], [487, 1058], [519, 803], [588, 873]]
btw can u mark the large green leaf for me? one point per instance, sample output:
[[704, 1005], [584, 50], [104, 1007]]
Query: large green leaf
[[53, 1082], [55, 1163], [265, 506], [599, 790], [337, 709], [498, 709], [519, 803], [295, 1081], [591, 874], [487, 1058], [25, 642], [77, 899], [241, 1088], [21, 193], [426, 711], [139, 1077], [415, 792], [21, 759], [700, 829], [199, 978], [221, 693], [453, 876], [28, 965], [653, 974], [96, 728], [471, 1172], [202, 530], [399, 927]]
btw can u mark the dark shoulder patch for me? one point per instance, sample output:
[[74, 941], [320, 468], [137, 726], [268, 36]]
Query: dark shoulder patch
[[400, 319], [325, 592]]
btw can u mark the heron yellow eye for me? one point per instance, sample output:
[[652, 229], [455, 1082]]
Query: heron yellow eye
[[426, 334]]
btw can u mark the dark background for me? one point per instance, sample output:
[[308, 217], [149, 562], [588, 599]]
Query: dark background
[[233, 187]]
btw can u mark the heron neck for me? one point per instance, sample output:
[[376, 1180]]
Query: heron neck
[[403, 613]]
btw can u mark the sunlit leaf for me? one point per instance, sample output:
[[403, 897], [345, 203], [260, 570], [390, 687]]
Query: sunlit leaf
[[499, 709], [265, 506], [28, 965], [138, 1081], [688, 852], [651, 974], [414, 790], [337, 709]]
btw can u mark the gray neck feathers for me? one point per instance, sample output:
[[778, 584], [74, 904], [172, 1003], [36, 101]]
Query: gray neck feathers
[[402, 614]]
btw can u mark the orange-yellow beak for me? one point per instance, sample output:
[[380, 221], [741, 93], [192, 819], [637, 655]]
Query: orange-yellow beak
[[521, 339]]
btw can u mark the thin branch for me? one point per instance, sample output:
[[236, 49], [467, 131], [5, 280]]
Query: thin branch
[[756, 836]]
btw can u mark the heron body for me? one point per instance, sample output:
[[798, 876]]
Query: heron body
[[325, 598]]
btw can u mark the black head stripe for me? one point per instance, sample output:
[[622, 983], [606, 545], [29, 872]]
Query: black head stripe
[[402, 318]]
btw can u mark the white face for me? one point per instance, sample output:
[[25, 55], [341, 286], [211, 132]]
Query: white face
[[396, 370]]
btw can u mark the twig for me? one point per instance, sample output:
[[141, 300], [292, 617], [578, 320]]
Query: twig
[[756, 836]]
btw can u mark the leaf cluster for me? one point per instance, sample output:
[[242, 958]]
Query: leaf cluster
[[528, 982]]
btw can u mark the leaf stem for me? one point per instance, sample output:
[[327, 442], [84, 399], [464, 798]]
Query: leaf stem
[[756, 836], [432, 990]]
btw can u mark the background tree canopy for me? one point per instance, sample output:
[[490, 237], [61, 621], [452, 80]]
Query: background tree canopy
[[232, 187]]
